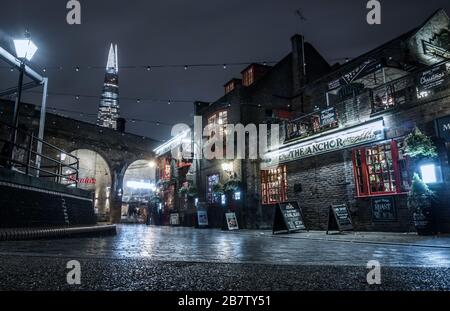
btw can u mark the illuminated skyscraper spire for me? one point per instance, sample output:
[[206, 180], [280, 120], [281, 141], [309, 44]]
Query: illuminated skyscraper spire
[[109, 110]]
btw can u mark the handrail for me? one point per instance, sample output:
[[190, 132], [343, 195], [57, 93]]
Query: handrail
[[55, 167]]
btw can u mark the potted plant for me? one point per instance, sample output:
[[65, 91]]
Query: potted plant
[[419, 147], [420, 199]]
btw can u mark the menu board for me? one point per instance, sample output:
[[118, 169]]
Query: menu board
[[202, 218], [288, 218], [432, 78], [384, 209], [328, 117], [232, 222], [339, 218], [175, 219]]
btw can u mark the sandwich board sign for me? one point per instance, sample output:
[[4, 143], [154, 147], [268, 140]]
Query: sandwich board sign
[[288, 218], [232, 222], [339, 218]]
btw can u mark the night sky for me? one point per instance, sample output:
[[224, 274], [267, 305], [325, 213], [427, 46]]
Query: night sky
[[178, 32]]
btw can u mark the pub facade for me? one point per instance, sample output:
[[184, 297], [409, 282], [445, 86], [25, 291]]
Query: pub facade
[[344, 142]]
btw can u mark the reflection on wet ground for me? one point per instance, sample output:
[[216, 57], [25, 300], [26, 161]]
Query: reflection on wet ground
[[196, 245]]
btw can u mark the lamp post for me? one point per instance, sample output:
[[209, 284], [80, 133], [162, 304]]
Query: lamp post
[[25, 50]]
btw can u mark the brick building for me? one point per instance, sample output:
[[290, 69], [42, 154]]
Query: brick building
[[343, 132], [345, 141], [264, 91]]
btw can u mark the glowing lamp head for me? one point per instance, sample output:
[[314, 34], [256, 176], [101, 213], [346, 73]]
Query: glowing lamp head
[[25, 48]]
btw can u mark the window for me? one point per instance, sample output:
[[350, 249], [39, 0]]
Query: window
[[211, 182], [248, 77], [274, 185], [220, 118], [381, 169], [166, 170]]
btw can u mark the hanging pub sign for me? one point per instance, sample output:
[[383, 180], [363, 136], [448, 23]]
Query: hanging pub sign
[[288, 218], [432, 78], [443, 128], [384, 209], [362, 134], [175, 219], [328, 117], [232, 223], [367, 67], [339, 218]]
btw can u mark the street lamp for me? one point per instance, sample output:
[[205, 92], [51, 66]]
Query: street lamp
[[25, 50]]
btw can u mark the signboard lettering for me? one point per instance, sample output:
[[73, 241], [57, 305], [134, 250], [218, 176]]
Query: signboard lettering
[[288, 218], [328, 117], [338, 141], [443, 128], [339, 218], [384, 210], [432, 78]]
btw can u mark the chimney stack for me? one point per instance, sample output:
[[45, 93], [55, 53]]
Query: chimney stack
[[298, 62]]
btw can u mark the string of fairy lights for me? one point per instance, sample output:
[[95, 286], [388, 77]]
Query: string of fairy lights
[[137, 100]]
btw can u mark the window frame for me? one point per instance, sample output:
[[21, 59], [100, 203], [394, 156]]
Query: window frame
[[210, 198], [267, 191], [362, 175]]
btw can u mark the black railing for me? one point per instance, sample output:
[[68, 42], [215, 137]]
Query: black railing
[[414, 86], [311, 124], [393, 93], [22, 156]]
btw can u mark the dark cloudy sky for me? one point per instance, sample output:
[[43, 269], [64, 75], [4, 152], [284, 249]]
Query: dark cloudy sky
[[186, 32]]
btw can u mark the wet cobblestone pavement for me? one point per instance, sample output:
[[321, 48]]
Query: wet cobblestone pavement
[[149, 258]]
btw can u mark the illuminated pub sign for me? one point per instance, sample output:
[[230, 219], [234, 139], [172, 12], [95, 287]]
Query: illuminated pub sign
[[443, 128], [358, 135]]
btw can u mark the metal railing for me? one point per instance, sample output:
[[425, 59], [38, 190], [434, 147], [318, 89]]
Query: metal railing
[[407, 89], [22, 156]]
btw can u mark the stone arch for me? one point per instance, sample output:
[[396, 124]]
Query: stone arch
[[139, 175], [95, 175]]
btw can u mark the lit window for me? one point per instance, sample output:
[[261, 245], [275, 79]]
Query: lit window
[[428, 172], [248, 77], [221, 119], [212, 181], [381, 169], [274, 185]]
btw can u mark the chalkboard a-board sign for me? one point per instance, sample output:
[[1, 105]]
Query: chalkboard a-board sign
[[339, 218], [384, 209], [288, 218]]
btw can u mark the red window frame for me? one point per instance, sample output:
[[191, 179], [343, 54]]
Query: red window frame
[[378, 171], [274, 185]]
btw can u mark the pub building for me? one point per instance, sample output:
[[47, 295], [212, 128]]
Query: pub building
[[172, 206], [343, 134], [345, 140]]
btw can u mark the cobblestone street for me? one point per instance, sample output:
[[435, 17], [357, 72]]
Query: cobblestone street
[[163, 258]]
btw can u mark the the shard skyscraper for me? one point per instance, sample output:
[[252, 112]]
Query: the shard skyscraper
[[109, 109]]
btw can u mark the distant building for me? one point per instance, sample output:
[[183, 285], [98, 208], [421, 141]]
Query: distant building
[[109, 110]]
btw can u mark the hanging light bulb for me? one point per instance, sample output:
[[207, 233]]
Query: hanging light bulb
[[148, 68], [169, 103], [185, 67], [77, 69], [138, 101], [224, 66]]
